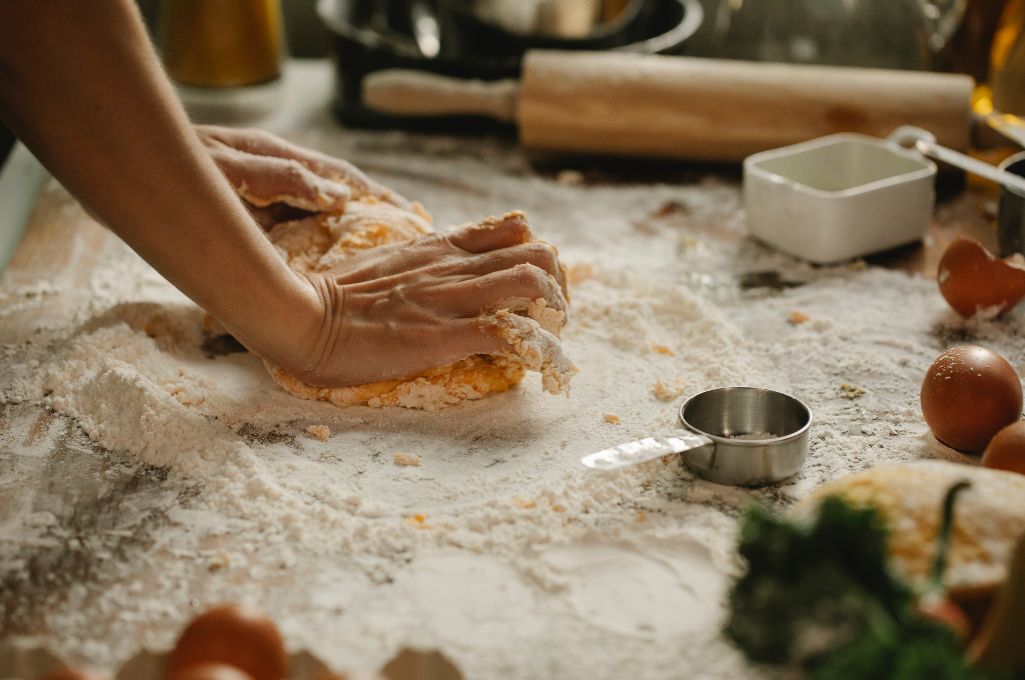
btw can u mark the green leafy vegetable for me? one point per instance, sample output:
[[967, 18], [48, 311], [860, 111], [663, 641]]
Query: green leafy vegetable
[[821, 596]]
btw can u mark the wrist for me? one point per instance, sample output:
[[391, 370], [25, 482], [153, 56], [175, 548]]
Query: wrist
[[295, 326], [279, 319]]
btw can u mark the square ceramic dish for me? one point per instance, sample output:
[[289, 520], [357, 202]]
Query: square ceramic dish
[[838, 197]]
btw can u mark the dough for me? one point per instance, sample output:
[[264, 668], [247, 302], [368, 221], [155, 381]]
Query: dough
[[988, 519], [321, 244]]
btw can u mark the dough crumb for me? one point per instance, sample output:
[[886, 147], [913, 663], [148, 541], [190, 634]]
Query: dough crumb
[[852, 392], [664, 350], [797, 317], [418, 521], [611, 418], [580, 272], [570, 178], [319, 432], [688, 243], [535, 347], [407, 459], [667, 391]]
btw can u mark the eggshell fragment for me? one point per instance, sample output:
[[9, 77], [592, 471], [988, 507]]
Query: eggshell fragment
[[71, 674], [209, 671], [969, 394], [240, 636], [974, 282], [1006, 451]]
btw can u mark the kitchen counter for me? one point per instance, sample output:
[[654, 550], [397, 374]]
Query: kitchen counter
[[499, 549]]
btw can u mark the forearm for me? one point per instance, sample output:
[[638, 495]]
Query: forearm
[[81, 87]]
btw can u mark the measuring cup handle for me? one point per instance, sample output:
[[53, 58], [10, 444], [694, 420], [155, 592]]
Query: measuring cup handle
[[907, 135], [643, 450]]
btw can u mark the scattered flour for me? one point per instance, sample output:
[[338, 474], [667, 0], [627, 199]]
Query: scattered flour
[[500, 548]]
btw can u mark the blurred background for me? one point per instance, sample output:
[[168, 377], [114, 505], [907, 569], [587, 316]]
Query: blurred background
[[487, 38], [211, 45]]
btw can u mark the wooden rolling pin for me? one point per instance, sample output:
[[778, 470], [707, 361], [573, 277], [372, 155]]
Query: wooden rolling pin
[[682, 107]]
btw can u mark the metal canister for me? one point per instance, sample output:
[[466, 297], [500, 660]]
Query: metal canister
[[221, 43]]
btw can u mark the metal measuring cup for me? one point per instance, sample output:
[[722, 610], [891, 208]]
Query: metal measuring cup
[[744, 436], [1011, 214]]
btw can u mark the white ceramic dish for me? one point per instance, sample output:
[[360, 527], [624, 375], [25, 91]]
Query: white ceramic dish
[[838, 197]]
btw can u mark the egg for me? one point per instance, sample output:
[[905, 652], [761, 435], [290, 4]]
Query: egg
[[71, 674], [974, 282], [240, 636], [209, 671], [1006, 451], [969, 394]]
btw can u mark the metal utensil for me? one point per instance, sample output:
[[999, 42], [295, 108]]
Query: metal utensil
[[426, 31], [564, 19], [745, 436], [1011, 213], [924, 142], [1009, 125]]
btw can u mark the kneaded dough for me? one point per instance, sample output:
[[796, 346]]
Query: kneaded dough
[[321, 244], [989, 518]]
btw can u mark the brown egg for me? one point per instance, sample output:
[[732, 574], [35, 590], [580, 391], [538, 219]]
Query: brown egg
[[209, 671], [973, 281], [240, 636], [1006, 451], [72, 674], [969, 394]]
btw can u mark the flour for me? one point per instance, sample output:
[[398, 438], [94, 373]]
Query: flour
[[499, 547]]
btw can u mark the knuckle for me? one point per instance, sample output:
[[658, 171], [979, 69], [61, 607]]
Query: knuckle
[[436, 240], [542, 254], [254, 134], [531, 275], [295, 171]]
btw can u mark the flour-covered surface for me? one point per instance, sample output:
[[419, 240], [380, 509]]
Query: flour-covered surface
[[146, 472]]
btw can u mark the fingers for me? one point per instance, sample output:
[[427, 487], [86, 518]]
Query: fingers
[[471, 297], [466, 337], [542, 255], [272, 215], [265, 180], [493, 233], [257, 142]]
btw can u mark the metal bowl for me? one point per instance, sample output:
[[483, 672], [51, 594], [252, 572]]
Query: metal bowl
[[371, 35], [562, 19]]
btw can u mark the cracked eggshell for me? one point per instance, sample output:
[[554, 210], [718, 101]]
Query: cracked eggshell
[[68, 673], [969, 394], [975, 282], [208, 671], [236, 635]]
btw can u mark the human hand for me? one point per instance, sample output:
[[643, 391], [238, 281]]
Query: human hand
[[281, 181], [403, 308]]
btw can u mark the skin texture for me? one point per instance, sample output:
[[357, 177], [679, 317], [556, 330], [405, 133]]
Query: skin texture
[[82, 87]]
